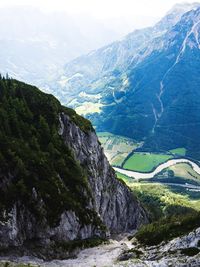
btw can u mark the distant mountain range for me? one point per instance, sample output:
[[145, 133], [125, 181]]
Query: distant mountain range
[[94, 71], [146, 86]]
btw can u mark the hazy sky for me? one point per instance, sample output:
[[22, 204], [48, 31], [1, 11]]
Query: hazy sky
[[121, 15], [102, 8]]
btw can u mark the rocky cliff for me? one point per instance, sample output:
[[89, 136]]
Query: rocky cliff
[[114, 202], [56, 185], [178, 252]]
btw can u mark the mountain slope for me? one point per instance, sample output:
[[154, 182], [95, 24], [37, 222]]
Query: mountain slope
[[94, 71], [151, 93], [56, 184], [161, 103]]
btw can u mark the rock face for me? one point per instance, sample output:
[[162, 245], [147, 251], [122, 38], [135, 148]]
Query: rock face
[[113, 201], [90, 201], [186, 241], [179, 252]]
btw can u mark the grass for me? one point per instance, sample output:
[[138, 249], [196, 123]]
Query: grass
[[184, 170], [125, 178], [178, 151], [118, 159], [169, 228], [116, 147], [172, 210], [119, 149], [161, 200], [145, 162], [167, 196]]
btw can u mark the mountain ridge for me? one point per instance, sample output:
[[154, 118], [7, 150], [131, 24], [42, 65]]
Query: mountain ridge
[[144, 96], [56, 184], [128, 50]]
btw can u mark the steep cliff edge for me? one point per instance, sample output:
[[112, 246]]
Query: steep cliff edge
[[56, 185], [114, 202]]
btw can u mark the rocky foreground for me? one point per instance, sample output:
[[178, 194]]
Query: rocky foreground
[[182, 251]]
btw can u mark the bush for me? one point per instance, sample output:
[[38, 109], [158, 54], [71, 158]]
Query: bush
[[167, 229], [192, 251]]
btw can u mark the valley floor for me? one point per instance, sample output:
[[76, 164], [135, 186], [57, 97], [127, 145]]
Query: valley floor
[[167, 164]]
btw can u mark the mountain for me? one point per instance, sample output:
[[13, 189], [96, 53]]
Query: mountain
[[34, 44], [145, 86], [100, 66], [57, 189]]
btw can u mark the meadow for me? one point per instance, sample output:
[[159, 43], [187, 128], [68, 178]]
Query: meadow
[[145, 162], [185, 171], [120, 153], [117, 148], [172, 210], [163, 200]]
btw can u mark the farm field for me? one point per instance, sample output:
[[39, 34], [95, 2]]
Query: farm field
[[162, 200], [145, 162], [116, 147], [178, 151], [184, 170]]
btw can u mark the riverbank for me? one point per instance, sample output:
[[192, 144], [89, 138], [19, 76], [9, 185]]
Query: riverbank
[[169, 163]]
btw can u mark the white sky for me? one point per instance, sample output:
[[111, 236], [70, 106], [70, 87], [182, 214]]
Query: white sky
[[102, 8], [120, 16]]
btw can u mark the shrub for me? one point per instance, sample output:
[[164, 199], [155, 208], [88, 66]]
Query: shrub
[[168, 228]]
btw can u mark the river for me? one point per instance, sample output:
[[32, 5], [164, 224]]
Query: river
[[171, 162]]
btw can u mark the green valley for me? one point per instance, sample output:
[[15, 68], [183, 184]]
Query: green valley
[[168, 196], [172, 203], [117, 148], [122, 152], [145, 162], [179, 151], [173, 210]]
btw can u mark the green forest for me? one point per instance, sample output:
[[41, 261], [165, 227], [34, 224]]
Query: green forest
[[33, 155]]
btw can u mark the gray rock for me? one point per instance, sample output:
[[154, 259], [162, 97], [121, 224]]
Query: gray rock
[[114, 202], [117, 208]]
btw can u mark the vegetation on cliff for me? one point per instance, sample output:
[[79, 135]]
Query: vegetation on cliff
[[34, 158]]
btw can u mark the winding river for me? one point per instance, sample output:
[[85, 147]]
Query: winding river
[[169, 163]]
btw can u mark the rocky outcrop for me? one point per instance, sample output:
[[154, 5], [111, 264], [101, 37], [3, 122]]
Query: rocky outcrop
[[113, 207], [179, 252], [114, 202]]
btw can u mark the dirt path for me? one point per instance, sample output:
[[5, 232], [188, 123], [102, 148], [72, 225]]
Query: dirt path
[[101, 256]]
